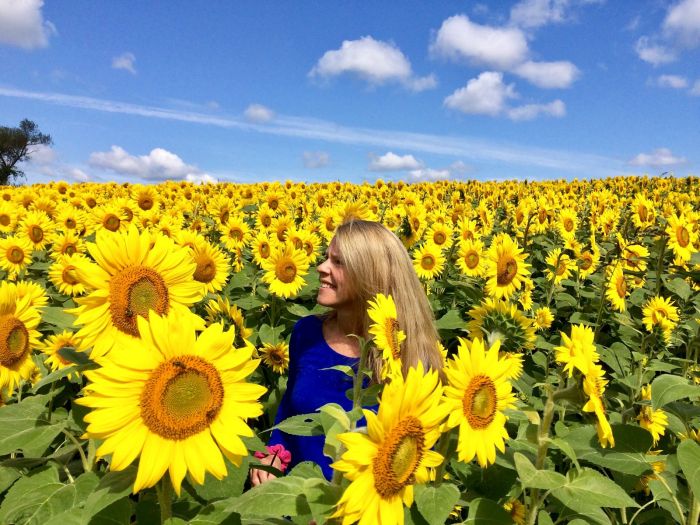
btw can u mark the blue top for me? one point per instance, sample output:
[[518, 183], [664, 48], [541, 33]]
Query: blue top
[[309, 387]]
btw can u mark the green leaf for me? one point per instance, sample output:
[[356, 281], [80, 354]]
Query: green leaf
[[436, 503], [118, 513], [75, 356], [591, 489], [321, 498], [689, 460], [530, 477], [269, 334], [113, 486], [7, 477], [484, 511], [24, 427], [302, 425], [679, 287], [450, 321], [248, 303], [231, 485], [275, 498], [543, 518], [215, 514], [667, 388], [57, 316], [38, 498]]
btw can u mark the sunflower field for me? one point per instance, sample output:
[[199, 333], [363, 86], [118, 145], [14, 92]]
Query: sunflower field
[[144, 338]]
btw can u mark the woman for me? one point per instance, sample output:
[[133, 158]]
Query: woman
[[363, 259]]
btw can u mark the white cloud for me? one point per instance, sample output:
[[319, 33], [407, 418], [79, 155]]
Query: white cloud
[[556, 108], [22, 24], [125, 61], [655, 54], [392, 162], [315, 159], [77, 174], [497, 47], [430, 174], [202, 178], [536, 13], [375, 61], [560, 74], [672, 81], [695, 90], [42, 154], [159, 164], [258, 113], [682, 23], [486, 95], [659, 158]]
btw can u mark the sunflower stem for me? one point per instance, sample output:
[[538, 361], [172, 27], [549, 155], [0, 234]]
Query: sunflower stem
[[694, 516], [83, 458], [660, 263], [165, 499], [443, 449]]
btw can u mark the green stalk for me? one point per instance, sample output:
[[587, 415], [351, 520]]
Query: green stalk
[[694, 516], [660, 264], [83, 458], [165, 499], [443, 449]]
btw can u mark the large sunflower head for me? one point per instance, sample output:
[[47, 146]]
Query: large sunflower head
[[618, 288], [37, 228], [136, 273], [506, 268], [395, 453], [428, 261], [15, 255], [386, 334], [212, 266], [471, 258], [18, 336], [187, 402], [578, 350], [500, 320], [477, 393]]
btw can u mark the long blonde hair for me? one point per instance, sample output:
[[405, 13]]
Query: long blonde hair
[[377, 262]]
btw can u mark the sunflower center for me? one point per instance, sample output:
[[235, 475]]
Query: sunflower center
[[506, 270], [399, 457], [479, 402], [561, 267], [519, 216], [134, 291], [427, 262], [69, 249], [439, 238], [223, 217], [642, 210], [683, 236], [68, 275], [145, 203], [264, 250], [111, 222], [70, 223], [236, 234], [308, 248], [621, 287], [4, 219], [91, 202], [266, 220], [285, 270], [542, 215], [36, 234], [206, 268], [568, 224], [14, 340], [15, 255], [658, 316], [586, 260], [182, 397], [472, 260], [392, 336]]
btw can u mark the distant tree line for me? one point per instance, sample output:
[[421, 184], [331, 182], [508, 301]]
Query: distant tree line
[[16, 146]]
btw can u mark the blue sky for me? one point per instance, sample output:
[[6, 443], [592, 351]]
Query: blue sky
[[318, 91]]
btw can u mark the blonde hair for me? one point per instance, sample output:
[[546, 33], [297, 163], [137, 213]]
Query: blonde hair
[[375, 262]]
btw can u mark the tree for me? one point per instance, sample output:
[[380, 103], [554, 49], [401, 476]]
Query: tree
[[16, 146]]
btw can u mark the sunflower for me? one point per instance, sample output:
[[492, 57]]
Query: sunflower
[[18, 336], [212, 266], [284, 271], [506, 267], [275, 356], [176, 399], [108, 217], [655, 421], [594, 386], [8, 217], [681, 236], [470, 259], [67, 243], [428, 261], [578, 350], [35, 292], [71, 219], [500, 320], [660, 311], [53, 343], [559, 266], [36, 227], [63, 274], [587, 262], [617, 289], [568, 222], [145, 197], [15, 255], [440, 234], [386, 334], [543, 318], [135, 272], [476, 394], [517, 511], [395, 453], [262, 248], [643, 212], [633, 255], [235, 232]]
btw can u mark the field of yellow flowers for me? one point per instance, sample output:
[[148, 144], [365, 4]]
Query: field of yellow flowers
[[144, 347]]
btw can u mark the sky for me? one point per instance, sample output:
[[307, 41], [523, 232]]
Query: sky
[[312, 91]]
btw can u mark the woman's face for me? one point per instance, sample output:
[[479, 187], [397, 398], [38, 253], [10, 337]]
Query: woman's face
[[335, 289]]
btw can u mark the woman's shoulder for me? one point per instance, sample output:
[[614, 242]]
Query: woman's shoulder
[[309, 323]]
